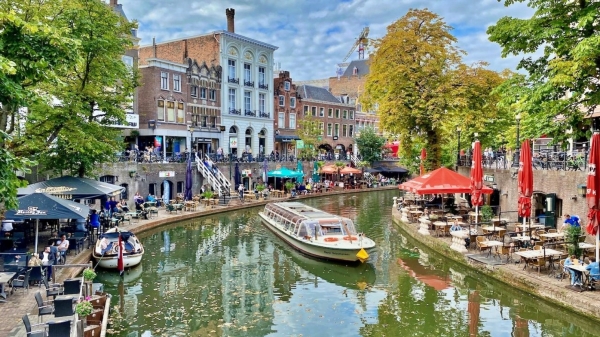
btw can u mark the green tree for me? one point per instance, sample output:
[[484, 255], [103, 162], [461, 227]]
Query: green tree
[[9, 181], [309, 131], [564, 81], [75, 135], [369, 145]]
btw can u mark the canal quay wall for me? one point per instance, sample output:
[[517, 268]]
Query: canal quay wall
[[549, 289]]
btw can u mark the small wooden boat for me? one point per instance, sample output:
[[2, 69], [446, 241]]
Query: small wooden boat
[[108, 257], [316, 233]]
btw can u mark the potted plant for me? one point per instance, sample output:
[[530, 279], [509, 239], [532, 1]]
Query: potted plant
[[89, 274], [486, 213], [208, 194], [289, 186], [260, 188], [572, 234], [84, 308]]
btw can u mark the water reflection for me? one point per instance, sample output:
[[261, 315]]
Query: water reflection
[[227, 275]]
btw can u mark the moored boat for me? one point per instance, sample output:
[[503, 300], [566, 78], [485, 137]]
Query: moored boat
[[106, 250], [316, 233]]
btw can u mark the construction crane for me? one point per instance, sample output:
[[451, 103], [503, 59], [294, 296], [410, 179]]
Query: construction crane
[[361, 42]]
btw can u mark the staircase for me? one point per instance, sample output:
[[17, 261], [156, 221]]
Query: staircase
[[215, 178], [354, 160]]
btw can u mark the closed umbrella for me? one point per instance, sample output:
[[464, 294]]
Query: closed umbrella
[[476, 180], [525, 181], [423, 158], [237, 175], [167, 192], [301, 170], [265, 170], [316, 177], [593, 184], [188, 180]]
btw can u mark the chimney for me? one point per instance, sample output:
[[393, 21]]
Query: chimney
[[114, 2], [230, 12], [153, 46]]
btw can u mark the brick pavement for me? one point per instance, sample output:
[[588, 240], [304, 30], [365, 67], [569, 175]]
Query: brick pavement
[[19, 304]]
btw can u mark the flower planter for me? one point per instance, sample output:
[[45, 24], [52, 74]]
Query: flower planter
[[98, 302], [95, 318], [92, 331]]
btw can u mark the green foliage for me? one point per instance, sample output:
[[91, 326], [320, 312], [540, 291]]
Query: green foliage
[[260, 187], [563, 57], [487, 213], [89, 274], [208, 194], [9, 182], [309, 132], [84, 308], [289, 186], [422, 90], [572, 234], [369, 145]]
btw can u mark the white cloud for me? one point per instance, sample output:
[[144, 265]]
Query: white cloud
[[314, 36]]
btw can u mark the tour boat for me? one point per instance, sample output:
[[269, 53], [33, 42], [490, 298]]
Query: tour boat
[[132, 256], [316, 233]]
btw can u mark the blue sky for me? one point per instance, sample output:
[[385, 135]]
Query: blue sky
[[313, 36]]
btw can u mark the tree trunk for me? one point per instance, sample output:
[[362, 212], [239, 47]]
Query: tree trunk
[[434, 154]]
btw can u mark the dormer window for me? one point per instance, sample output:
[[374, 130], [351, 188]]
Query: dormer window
[[286, 86]]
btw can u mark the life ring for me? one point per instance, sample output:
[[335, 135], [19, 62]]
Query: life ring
[[350, 237], [330, 239]]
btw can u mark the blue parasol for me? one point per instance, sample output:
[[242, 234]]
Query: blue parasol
[[299, 169], [188, 180]]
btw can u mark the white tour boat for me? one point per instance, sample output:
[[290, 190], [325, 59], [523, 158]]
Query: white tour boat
[[132, 256], [316, 233]]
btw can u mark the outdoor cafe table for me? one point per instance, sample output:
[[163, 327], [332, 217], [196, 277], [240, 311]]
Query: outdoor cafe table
[[529, 255], [553, 235], [585, 274], [585, 245], [4, 278], [209, 202], [495, 244]]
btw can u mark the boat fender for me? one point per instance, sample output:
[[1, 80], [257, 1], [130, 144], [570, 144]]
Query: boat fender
[[349, 237], [330, 239]]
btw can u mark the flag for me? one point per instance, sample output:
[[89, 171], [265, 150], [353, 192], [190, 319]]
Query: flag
[[120, 264]]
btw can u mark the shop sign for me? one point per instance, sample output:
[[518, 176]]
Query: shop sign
[[488, 177], [233, 143], [299, 144], [166, 174]]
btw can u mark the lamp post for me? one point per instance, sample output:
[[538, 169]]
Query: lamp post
[[457, 148], [518, 147]]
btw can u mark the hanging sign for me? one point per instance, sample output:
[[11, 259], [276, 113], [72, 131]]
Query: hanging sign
[[166, 174], [233, 143]]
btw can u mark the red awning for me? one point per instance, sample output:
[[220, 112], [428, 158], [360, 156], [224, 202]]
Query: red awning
[[441, 180]]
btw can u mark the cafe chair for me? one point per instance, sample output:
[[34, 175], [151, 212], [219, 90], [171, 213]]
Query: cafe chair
[[28, 326], [37, 273], [64, 307], [22, 281], [540, 263], [59, 329], [72, 287], [53, 289], [481, 244], [44, 307]]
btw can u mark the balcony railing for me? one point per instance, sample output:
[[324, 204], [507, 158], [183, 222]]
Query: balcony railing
[[249, 84], [233, 80], [249, 113], [264, 114], [263, 86], [235, 112]]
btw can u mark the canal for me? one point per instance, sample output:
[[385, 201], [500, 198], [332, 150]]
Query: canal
[[226, 275]]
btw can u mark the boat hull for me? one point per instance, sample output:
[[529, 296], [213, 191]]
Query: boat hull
[[306, 247], [110, 262]]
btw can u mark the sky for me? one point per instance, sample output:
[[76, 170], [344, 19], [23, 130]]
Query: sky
[[314, 36]]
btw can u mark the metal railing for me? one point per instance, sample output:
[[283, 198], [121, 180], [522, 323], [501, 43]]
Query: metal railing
[[541, 160]]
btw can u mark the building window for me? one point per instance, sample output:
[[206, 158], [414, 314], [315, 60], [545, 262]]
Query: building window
[[180, 113], [337, 113], [350, 130], [345, 114], [203, 93], [336, 130], [128, 60], [177, 83], [247, 73], [160, 111], [194, 91], [164, 80], [344, 130], [313, 111], [247, 101], [231, 99], [329, 128], [261, 75], [322, 127], [292, 102], [330, 113], [351, 115], [212, 94], [170, 112], [231, 69], [281, 120], [306, 107], [281, 100], [286, 86], [292, 121], [321, 112], [261, 103]]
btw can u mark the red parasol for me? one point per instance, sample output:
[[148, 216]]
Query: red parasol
[[120, 265], [593, 184], [423, 158], [525, 180], [441, 180], [476, 176]]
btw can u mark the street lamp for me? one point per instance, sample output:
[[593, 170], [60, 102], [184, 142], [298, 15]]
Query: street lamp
[[458, 148], [518, 148]]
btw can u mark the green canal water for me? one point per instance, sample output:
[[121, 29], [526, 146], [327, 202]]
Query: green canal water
[[226, 275]]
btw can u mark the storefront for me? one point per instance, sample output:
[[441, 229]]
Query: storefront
[[285, 145]]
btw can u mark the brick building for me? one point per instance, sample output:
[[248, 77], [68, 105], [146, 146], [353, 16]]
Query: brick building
[[287, 107], [336, 119], [235, 69]]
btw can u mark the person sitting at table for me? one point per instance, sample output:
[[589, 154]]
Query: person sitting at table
[[575, 275], [48, 260], [435, 200], [455, 227], [94, 219], [122, 206], [63, 247], [594, 269]]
